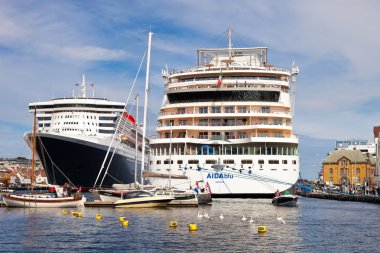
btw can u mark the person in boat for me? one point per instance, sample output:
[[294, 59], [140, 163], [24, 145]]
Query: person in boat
[[68, 190], [65, 190], [277, 193]]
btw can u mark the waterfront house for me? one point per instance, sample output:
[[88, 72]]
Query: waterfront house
[[349, 167]]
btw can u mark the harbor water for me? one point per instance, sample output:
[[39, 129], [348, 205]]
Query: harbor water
[[316, 225]]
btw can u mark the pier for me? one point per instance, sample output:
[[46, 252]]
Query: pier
[[343, 197]]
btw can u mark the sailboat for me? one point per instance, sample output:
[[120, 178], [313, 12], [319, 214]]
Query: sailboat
[[137, 197], [33, 200]]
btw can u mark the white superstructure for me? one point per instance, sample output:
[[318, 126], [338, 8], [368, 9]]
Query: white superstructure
[[228, 122]]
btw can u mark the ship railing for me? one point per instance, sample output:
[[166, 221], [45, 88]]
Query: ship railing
[[256, 123], [248, 83], [232, 137], [225, 112], [222, 66]]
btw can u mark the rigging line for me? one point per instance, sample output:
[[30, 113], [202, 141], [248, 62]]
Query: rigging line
[[55, 164], [234, 171], [113, 136], [259, 177], [117, 145], [115, 178]]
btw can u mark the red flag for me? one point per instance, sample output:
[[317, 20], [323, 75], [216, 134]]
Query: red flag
[[220, 78]]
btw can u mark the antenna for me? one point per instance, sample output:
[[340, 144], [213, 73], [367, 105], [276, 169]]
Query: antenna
[[229, 38], [83, 87], [293, 76], [229, 42]]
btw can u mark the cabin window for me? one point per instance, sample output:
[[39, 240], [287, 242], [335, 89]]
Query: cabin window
[[228, 161], [179, 161], [246, 161], [193, 161], [215, 122], [203, 122], [261, 161], [210, 161], [229, 109], [294, 162], [265, 109], [181, 111], [158, 162], [215, 109], [203, 135], [274, 162], [203, 110], [284, 161]]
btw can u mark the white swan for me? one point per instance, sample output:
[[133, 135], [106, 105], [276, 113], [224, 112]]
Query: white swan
[[199, 215], [251, 220], [221, 217], [279, 218], [243, 218]]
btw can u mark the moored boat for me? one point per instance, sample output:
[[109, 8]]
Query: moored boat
[[42, 201], [142, 199], [285, 200]]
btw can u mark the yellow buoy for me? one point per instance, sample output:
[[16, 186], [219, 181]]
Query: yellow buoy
[[98, 216], [125, 223], [193, 227], [74, 213], [173, 224], [79, 214], [64, 211], [122, 218], [262, 229]]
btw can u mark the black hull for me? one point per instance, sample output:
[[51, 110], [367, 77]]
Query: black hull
[[80, 161], [284, 201]]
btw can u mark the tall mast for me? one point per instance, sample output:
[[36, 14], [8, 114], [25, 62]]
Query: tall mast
[[136, 136], [32, 177], [83, 87], [145, 105]]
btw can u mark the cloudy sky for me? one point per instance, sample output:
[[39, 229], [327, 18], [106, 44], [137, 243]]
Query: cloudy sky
[[46, 46]]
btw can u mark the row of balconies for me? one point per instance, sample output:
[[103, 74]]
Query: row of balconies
[[217, 137], [234, 111], [168, 124]]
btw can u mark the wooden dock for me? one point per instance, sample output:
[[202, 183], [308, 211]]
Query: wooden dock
[[343, 197]]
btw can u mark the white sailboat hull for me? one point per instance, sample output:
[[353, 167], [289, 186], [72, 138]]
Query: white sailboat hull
[[42, 201]]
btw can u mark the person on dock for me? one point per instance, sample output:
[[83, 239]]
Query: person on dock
[[277, 193]]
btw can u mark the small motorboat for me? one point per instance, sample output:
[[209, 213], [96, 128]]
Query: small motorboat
[[285, 200], [141, 198]]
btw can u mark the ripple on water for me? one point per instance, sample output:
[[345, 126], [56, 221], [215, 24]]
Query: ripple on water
[[314, 226]]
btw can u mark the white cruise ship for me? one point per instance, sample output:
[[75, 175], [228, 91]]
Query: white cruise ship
[[75, 135], [228, 122]]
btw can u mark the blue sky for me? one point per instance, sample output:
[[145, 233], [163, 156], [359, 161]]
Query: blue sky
[[46, 46]]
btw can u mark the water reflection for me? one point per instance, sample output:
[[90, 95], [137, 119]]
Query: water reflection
[[313, 226]]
